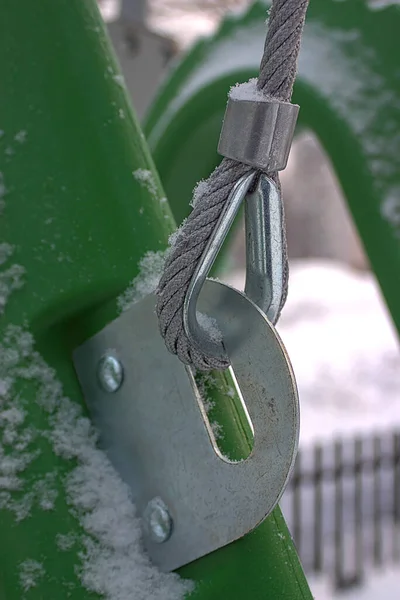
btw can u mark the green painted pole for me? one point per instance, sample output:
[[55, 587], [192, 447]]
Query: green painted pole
[[75, 224]]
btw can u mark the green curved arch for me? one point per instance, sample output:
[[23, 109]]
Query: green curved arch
[[348, 87]]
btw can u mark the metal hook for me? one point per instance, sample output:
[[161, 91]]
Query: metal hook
[[264, 248], [264, 257]]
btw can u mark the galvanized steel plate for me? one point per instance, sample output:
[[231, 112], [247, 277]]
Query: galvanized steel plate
[[156, 433]]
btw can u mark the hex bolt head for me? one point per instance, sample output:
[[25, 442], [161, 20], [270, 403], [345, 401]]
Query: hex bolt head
[[157, 520], [110, 373]]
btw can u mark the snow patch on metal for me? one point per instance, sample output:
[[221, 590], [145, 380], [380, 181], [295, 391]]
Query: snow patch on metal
[[247, 91]]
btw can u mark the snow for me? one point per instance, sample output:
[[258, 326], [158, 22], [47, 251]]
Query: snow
[[11, 279], [173, 238], [6, 251], [150, 269], [380, 4], [381, 584], [183, 27], [217, 430], [109, 9], [210, 325], [206, 383], [344, 351], [200, 190], [184, 22], [20, 137], [119, 79], [66, 541], [146, 180], [247, 91], [188, 21], [114, 562], [30, 572], [46, 491]]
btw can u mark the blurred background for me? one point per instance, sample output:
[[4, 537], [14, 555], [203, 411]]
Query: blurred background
[[343, 503]]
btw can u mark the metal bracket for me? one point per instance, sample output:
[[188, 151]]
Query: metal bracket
[[155, 430]]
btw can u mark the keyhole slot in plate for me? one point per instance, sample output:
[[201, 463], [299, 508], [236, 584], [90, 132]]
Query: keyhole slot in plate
[[155, 434], [224, 409]]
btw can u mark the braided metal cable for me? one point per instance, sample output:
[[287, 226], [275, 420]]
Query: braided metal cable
[[276, 79]]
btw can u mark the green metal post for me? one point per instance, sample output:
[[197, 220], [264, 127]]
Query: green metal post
[[75, 224]]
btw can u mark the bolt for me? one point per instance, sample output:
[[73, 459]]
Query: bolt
[[157, 519], [110, 373]]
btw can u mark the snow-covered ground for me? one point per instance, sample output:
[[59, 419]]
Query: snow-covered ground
[[379, 584], [344, 351]]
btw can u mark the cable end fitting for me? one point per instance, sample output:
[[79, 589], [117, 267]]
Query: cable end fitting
[[258, 131]]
